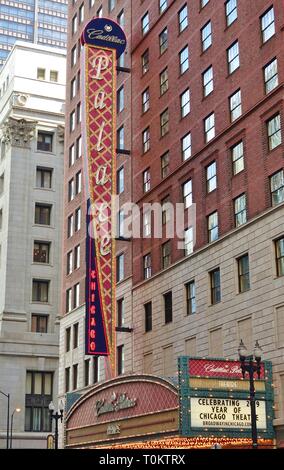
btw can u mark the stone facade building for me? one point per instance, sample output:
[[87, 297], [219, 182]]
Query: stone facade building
[[31, 172]]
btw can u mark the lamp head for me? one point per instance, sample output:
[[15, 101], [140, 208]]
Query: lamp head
[[18, 410], [242, 350], [51, 407], [257, 351], [61, 406]]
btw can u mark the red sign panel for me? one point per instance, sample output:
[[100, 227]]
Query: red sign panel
[[216, 368]]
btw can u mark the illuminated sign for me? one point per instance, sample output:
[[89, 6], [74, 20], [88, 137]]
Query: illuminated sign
[[103, 42], [225, 413], [214, 397], [118, 402]]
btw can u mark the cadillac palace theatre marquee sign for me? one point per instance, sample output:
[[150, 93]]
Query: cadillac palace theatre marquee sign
[[214, 399], [104, 41]]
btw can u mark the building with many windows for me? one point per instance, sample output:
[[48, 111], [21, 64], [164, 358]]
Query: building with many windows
[[31, 172], [38, 21], [203, 120]]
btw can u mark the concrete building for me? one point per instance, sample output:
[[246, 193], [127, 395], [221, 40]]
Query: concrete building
[[31, 172], [38, 21], [206, 114]]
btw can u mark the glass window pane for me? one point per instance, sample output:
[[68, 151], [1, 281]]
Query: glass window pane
[[37, 383], [47, 384], [28, 383]]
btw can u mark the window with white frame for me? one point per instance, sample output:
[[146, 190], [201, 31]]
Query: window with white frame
[[163, 40], [207, 78], [188, 241], [163, 4], [231, 7], [147, 223], [183, 18], [183, 60], [240, 210], [185, 103], [211, 177], [147, 266], [235, 105], [238, 160], [164, 81], [209, 127], [145, 23], [277, 188], [146, 140], [213, 230], [145, 100], [164, 122], [274, 132], [206, 36], [267, 25], [233, 57], [146, 180], [270, 76], [187, 193]]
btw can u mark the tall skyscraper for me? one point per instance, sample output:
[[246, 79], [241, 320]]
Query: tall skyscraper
[[37, 21]]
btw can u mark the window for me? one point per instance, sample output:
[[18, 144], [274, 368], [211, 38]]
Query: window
[[146, 140], [277, 188], [185, 103], [267, 25], [183, 18], [53, 76], [243, 273], [71, 155], [120, 138], [190, 298], [147, 223], [237, 152], [186, 147], [76, 300], [74, 55], [75, 335], [270, 76], [120, 360], [39, 387], [120, 312], [100, 12], [168, 306], [68, 300], [231, 11], [233, 57], [70, 226], [44, 141], [72, 121], [78, 147], [75, 376], [164, 122], [67, 339], [74, 24], [121, 18], [96, 369], [163, 41], [166, 254], [87, 371], [187, 193], [81, 13], [213, 227], [79, 113], [207, 78], [120, 267], [69, 262], [120, 99], [147, 266], [235, 105], [164, 81], [240, 210], [165, 160], [42, 214], [215, 283], [274, 132], [71, 191], [166, 205], [148, 316], [120, 180], [78, 182], [211, 177], [206, 36], [183, 60], [73, 88], [145, 62], [121, 60], [41, 252], [203, 3], [188, 241], [40, 291], [77, 219], [120, 220], [163, 4], [209, 127], [145, 100], [67, 379], [39, 323], [40, 74], [145, 23], [111, 5], [77, 251], [146, 180], [279, 248], [43, 178]]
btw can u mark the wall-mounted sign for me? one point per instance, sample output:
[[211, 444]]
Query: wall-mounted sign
[[212, 412], [103, 42], [215, 398], [118, 402]]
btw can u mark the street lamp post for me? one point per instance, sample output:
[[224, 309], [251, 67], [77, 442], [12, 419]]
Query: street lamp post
[[56, 416], [7, 395], [248, 365], [12, 417]]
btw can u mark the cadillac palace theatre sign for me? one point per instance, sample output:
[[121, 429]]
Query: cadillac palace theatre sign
[[103, 42], [214, 399]]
